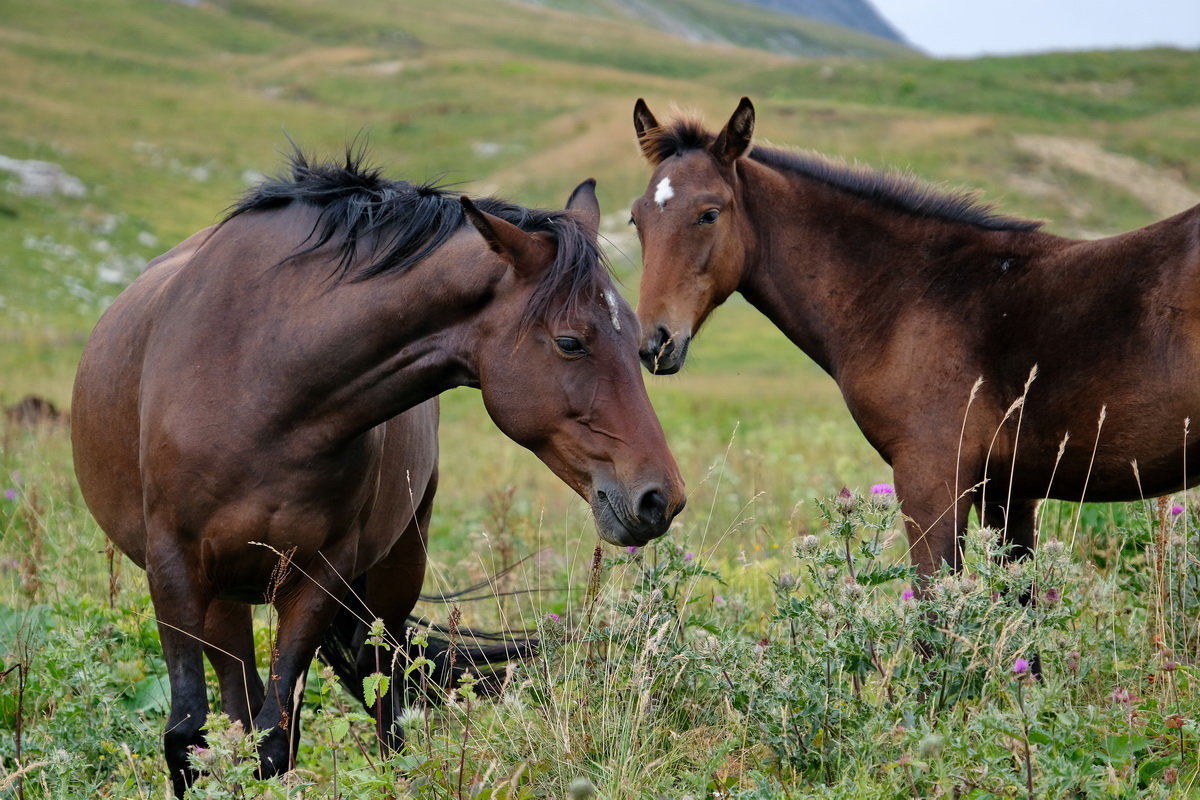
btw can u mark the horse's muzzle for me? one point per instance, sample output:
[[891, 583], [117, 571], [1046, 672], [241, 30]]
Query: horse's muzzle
[[662, 352], [633, 521]]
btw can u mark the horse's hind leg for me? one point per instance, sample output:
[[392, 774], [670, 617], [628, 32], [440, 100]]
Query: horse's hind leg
[[229, 645], [181, 598]]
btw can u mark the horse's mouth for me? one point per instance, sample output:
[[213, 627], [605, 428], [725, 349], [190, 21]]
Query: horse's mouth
[[667, 359], [617, 526]]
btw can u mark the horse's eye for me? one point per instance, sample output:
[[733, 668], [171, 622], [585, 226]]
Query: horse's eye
[[569, 345], [708, 217]]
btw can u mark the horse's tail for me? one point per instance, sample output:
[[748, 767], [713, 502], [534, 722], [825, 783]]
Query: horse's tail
[[485, 654], [451, 652]]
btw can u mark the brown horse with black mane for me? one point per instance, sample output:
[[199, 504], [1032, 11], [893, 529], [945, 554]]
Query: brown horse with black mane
[[269, 387], [990, 364]]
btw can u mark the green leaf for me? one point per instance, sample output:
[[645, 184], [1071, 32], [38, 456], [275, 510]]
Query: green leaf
[[417, 663], [1122, 748], [1040, 737], [375, 686], [339, 728]]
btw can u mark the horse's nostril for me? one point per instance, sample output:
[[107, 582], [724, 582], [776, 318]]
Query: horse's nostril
[[664, 343], [652, 508]]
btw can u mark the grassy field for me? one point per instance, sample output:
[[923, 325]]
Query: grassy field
[[734, 659]]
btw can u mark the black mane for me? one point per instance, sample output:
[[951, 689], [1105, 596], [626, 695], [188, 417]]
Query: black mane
[[398, 224], [891, 189]]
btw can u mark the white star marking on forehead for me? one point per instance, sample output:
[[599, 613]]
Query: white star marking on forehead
[[663, 193], [611, 300]]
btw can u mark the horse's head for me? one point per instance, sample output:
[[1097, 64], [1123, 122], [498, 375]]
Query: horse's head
[[557, 364], [692, 230]]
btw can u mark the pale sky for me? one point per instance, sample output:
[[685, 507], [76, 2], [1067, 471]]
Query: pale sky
[[971, 28]]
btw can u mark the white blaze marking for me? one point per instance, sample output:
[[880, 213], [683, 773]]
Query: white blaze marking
[[611, 300], [663, 193]]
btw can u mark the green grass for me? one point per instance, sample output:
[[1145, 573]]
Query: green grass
[[660, 689]]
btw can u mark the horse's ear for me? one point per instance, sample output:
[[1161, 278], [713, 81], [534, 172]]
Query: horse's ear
[[583, 201], [734, 140], [645, 124], [523, 251]]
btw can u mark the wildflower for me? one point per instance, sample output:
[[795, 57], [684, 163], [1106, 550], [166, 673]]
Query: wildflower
[[930, 745], [688, 556], [786, 581], [1073, 661], [631, 549], [410, 716], [205, 755], [1051, 596], [1170, 775], [809, 544], [581, 789], [11, 494], [1053, 548], [1176, 510], [907, 595], [1020, 666], [883, 494], [845, 501], [719, 600], [853, 590], [553, 617], [825, 610], [1124, 697]]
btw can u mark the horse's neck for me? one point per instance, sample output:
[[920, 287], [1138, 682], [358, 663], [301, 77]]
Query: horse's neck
[[391, 342], [834, 273]]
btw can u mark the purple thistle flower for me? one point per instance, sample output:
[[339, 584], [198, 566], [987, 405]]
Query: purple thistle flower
[[1124, 697], [1051, 596], [1176, 510], [1020, 666], [631, 549], [11, 494], [845, 501], [907, 595], [688, 556], [553, 617], [883, 495]]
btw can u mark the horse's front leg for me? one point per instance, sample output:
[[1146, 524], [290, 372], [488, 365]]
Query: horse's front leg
[[229, 645], [306, 602], [1016, 521], [181, 598], [935, 507], [393, 588]]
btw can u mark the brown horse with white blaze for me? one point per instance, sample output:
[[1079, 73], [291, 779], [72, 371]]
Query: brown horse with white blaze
[[269, 387], [991, 364]]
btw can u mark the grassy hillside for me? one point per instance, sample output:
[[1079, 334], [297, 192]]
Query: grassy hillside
[[166, 111], [741, 24]]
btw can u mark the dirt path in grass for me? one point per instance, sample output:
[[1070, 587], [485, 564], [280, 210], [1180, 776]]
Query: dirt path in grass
[[1163, 193]]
